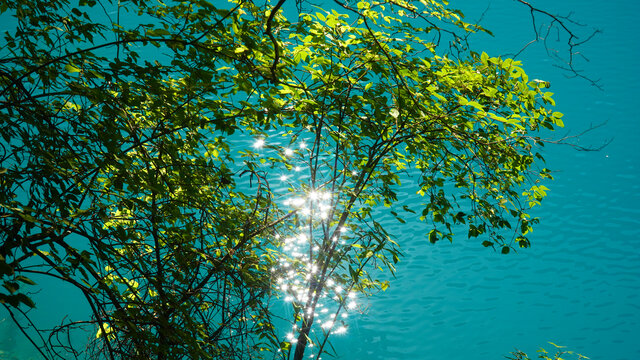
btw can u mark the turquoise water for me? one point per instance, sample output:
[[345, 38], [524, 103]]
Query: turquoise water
[[579, 284]]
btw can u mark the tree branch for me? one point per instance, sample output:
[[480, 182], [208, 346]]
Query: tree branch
[[571, 42], [276, 48]]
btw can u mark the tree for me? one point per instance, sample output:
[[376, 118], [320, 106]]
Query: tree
[[126, 170]]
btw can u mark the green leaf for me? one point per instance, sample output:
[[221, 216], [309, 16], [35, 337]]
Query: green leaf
[[11, 286], [433, 236], [71, 68], [25, 280], [5, 269], [25, 300], [484, 58], [408, 209], [331, 21], [157, 32], [557, 118]]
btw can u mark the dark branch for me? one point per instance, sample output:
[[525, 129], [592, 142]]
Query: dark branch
[[572, 43], [567, 138], [276, 48]]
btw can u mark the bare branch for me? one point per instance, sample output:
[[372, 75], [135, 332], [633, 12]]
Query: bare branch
[[560, 23], [566, 140]]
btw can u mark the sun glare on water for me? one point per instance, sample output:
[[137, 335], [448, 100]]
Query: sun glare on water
[[301, 275]]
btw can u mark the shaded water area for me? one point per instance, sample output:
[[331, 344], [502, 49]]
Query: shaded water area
[[579, 284]]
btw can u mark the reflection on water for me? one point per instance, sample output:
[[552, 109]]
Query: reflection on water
[[579, 284]]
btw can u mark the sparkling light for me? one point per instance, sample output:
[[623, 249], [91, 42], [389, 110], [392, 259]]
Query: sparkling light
[[258, 144], [300, 247], [292, 338], [295, 202], [340, 330]]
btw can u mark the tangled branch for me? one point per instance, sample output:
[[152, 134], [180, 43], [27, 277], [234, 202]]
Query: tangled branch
[[572, 41]]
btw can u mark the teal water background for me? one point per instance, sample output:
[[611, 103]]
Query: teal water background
[[579, 284]]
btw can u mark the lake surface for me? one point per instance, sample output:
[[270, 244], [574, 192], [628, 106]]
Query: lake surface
[[579, 284]]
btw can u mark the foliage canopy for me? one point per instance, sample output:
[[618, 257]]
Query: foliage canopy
[[127, 173]]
